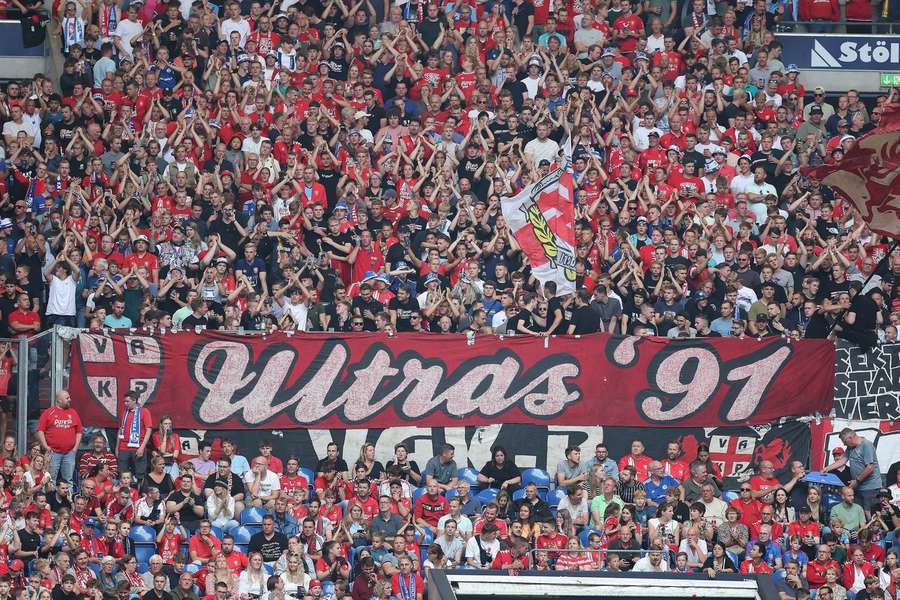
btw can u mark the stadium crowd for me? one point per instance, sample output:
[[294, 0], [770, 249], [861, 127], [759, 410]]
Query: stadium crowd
[[339, 165], [142, 520]]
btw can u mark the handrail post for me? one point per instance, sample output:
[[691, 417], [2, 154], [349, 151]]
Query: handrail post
[[22, 400]]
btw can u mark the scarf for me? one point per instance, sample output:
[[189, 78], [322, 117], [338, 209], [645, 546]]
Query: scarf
[[407, 590], [73, 32], [134, 432], [109, 20]]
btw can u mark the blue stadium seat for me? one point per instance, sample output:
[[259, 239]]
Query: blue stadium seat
[[243, 533], [191, 568], [469, 474], [554, 497], [452, 493], [252, 515], [585, 534], [311, 478], [829, 501], [538, 477], [518, 495], [143, 552], [425, 540], [218, 532], [242, 547], [729, 495], [417, 493], [734, 558], [487, 495], [141, 534], [268, 569]]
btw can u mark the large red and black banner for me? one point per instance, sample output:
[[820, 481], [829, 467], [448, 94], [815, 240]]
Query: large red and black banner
[[281, 381], [869, 174]]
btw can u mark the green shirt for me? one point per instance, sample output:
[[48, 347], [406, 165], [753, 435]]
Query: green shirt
[[599, 505], [852, 517]]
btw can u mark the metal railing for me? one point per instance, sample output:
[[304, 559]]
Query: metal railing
[[838, 27]]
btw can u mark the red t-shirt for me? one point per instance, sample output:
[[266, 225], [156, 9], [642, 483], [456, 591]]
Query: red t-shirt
[[430, 509], [60, 427], [145, 425]]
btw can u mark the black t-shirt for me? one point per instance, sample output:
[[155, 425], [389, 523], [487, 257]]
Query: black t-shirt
[[186, 513], [237, 485], [501, 474], [586, 320], [552, 306], [404, 311], [340, 464], [372, 305], [31, 541], [865, 310], [271, 549], [408, 467], [525, 318], [520, 14]]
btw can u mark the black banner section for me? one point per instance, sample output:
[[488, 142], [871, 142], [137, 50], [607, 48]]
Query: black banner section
[[737, 450], [867, 383]]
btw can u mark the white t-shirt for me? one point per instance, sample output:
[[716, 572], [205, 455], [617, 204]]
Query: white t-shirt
[[242, 27], [472, 550], [61, 297], [268, 485], [541, 150], [126, 30]]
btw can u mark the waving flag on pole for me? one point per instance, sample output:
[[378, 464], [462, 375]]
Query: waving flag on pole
[[869, 174], [542, 219]]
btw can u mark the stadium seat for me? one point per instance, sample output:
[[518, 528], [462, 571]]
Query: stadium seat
[[268, 569], [487, 495], [141, 534], [310, 477], [451, 494], [192, 568], [469, 474], [218, 532], [143, 552], [424, 540], [829, 501], [243, 533], [242, 547], [252, 515], [734, 558], [417, 493], [518, 495], [729, 495], [586, 533], [554, 497], [538, 477]]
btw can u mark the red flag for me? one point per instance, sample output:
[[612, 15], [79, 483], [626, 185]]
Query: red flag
[[869, 174]]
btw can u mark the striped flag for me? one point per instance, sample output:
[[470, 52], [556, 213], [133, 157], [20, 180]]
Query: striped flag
[[542, 219]]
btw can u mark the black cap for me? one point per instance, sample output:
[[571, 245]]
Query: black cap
[[220, 483], [884, 493]]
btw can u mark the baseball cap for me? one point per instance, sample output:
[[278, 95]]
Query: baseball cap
[[369, 276], [675, 148], [221, 261], [341, 205], [431, 277], [816, 110], [226, 173], [16, 565], [642, 219], [220, 483], [884, 493], [141, 238], [609, 52], [402, 266], [701, 296], [242, 58], [838, 452], [315, 583], [384, 277], [792, 68], [360, 114], [819, 90]]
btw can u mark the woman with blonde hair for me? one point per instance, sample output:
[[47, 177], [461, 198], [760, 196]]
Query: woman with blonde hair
[[295, 579], [374, 469], [220, 572], [252, 581]]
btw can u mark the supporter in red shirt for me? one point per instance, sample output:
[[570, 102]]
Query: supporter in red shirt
[[430, 507], [59, 431], [756, 562], [764, 483]]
